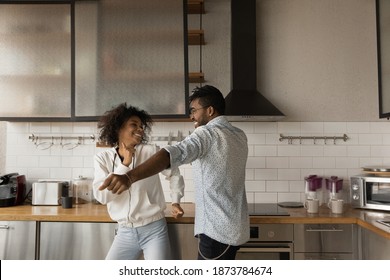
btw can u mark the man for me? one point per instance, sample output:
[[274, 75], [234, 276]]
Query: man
[[218, 152]]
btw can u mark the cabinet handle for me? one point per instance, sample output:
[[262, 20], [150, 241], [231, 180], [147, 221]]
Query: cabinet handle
[[4, 226], [324, 230]]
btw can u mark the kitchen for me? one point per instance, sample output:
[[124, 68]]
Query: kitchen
[[316, 61]]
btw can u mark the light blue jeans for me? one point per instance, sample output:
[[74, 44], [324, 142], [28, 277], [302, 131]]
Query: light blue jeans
[[151, 239]]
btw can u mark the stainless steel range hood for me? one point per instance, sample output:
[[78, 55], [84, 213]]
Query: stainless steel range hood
[[245, 102]]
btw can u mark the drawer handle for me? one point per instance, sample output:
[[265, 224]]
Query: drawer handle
[[4, 226], [263, 249], [324, 230]]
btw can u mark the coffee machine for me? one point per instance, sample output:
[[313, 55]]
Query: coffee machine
[[12, 189]]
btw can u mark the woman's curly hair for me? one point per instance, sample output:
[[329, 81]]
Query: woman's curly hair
[[112, 121]]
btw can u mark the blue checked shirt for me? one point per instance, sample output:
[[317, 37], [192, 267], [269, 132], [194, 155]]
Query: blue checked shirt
[[218, 152]]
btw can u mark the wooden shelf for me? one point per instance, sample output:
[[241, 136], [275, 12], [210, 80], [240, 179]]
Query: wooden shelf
[[196, 37], [195, 7], [196, 77]]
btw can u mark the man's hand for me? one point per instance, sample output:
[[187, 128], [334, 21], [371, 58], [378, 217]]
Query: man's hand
[[116, 183], [177, 211]]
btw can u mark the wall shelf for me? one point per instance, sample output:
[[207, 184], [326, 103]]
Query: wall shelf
[[196, 37], [195, 7], [196, 77]]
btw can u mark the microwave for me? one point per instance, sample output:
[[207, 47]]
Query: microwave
[[370, 192]]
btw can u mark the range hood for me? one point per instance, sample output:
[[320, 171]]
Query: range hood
[[244, 102]]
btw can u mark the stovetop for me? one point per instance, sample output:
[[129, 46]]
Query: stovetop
[[266, 209]]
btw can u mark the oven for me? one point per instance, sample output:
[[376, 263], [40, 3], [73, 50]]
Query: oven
[[268, 242]]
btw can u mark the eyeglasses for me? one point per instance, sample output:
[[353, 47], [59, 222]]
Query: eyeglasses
[[193, 110]]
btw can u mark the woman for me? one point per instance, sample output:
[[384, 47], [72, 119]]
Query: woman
[[140, 210]]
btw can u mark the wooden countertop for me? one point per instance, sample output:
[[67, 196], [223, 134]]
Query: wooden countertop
[[98, 213]]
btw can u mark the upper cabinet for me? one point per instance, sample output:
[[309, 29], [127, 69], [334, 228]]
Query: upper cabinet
[[383, 19], [75, 60], [35, 61], [130, 51]]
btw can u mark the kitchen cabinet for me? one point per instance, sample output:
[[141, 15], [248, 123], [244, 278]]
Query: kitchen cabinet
[[75, 240], [325, 242], [130, 51], [17, 240], [73, 60], [373, 246], [383, 17], [184, 245], [35, 61]]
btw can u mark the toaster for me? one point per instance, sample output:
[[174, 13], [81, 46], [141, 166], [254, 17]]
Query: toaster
[[49, 192]]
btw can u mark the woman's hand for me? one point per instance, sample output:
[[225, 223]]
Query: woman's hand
[[177, 211]]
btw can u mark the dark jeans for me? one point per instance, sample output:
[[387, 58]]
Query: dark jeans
[[212, 249]]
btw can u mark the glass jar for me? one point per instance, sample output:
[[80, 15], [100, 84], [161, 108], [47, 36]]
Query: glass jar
[[82, 190]]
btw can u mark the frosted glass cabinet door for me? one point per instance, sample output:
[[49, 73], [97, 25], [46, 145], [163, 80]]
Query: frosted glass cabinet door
[[383, 13], [35, 48], [130, 51]]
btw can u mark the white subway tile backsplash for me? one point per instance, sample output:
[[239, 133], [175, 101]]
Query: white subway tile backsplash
[[272, 139], [255, 162], [335, 150], [255, 186], [335, 127], [367, 161], [386, 139], [300, 162], [289, 127], [289, 150], [49, 161], [370, 139], [277, 162], [275, 169], [247, 127], [18, 127], [264, 150], [33, 174], [286, 196], [358, 127], [379, 127], [266, 127], [65, 173], [249, 174], [380, 151], [277, 186], [72, 161], [289, 174], [324, 162], [266, 174], [312, 127], [312, 150], [84, 128], [347, 162], [255, 139], [27, 161], [297, 186], [62, 128], [264, 197], [36, 128], [358, 151]]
